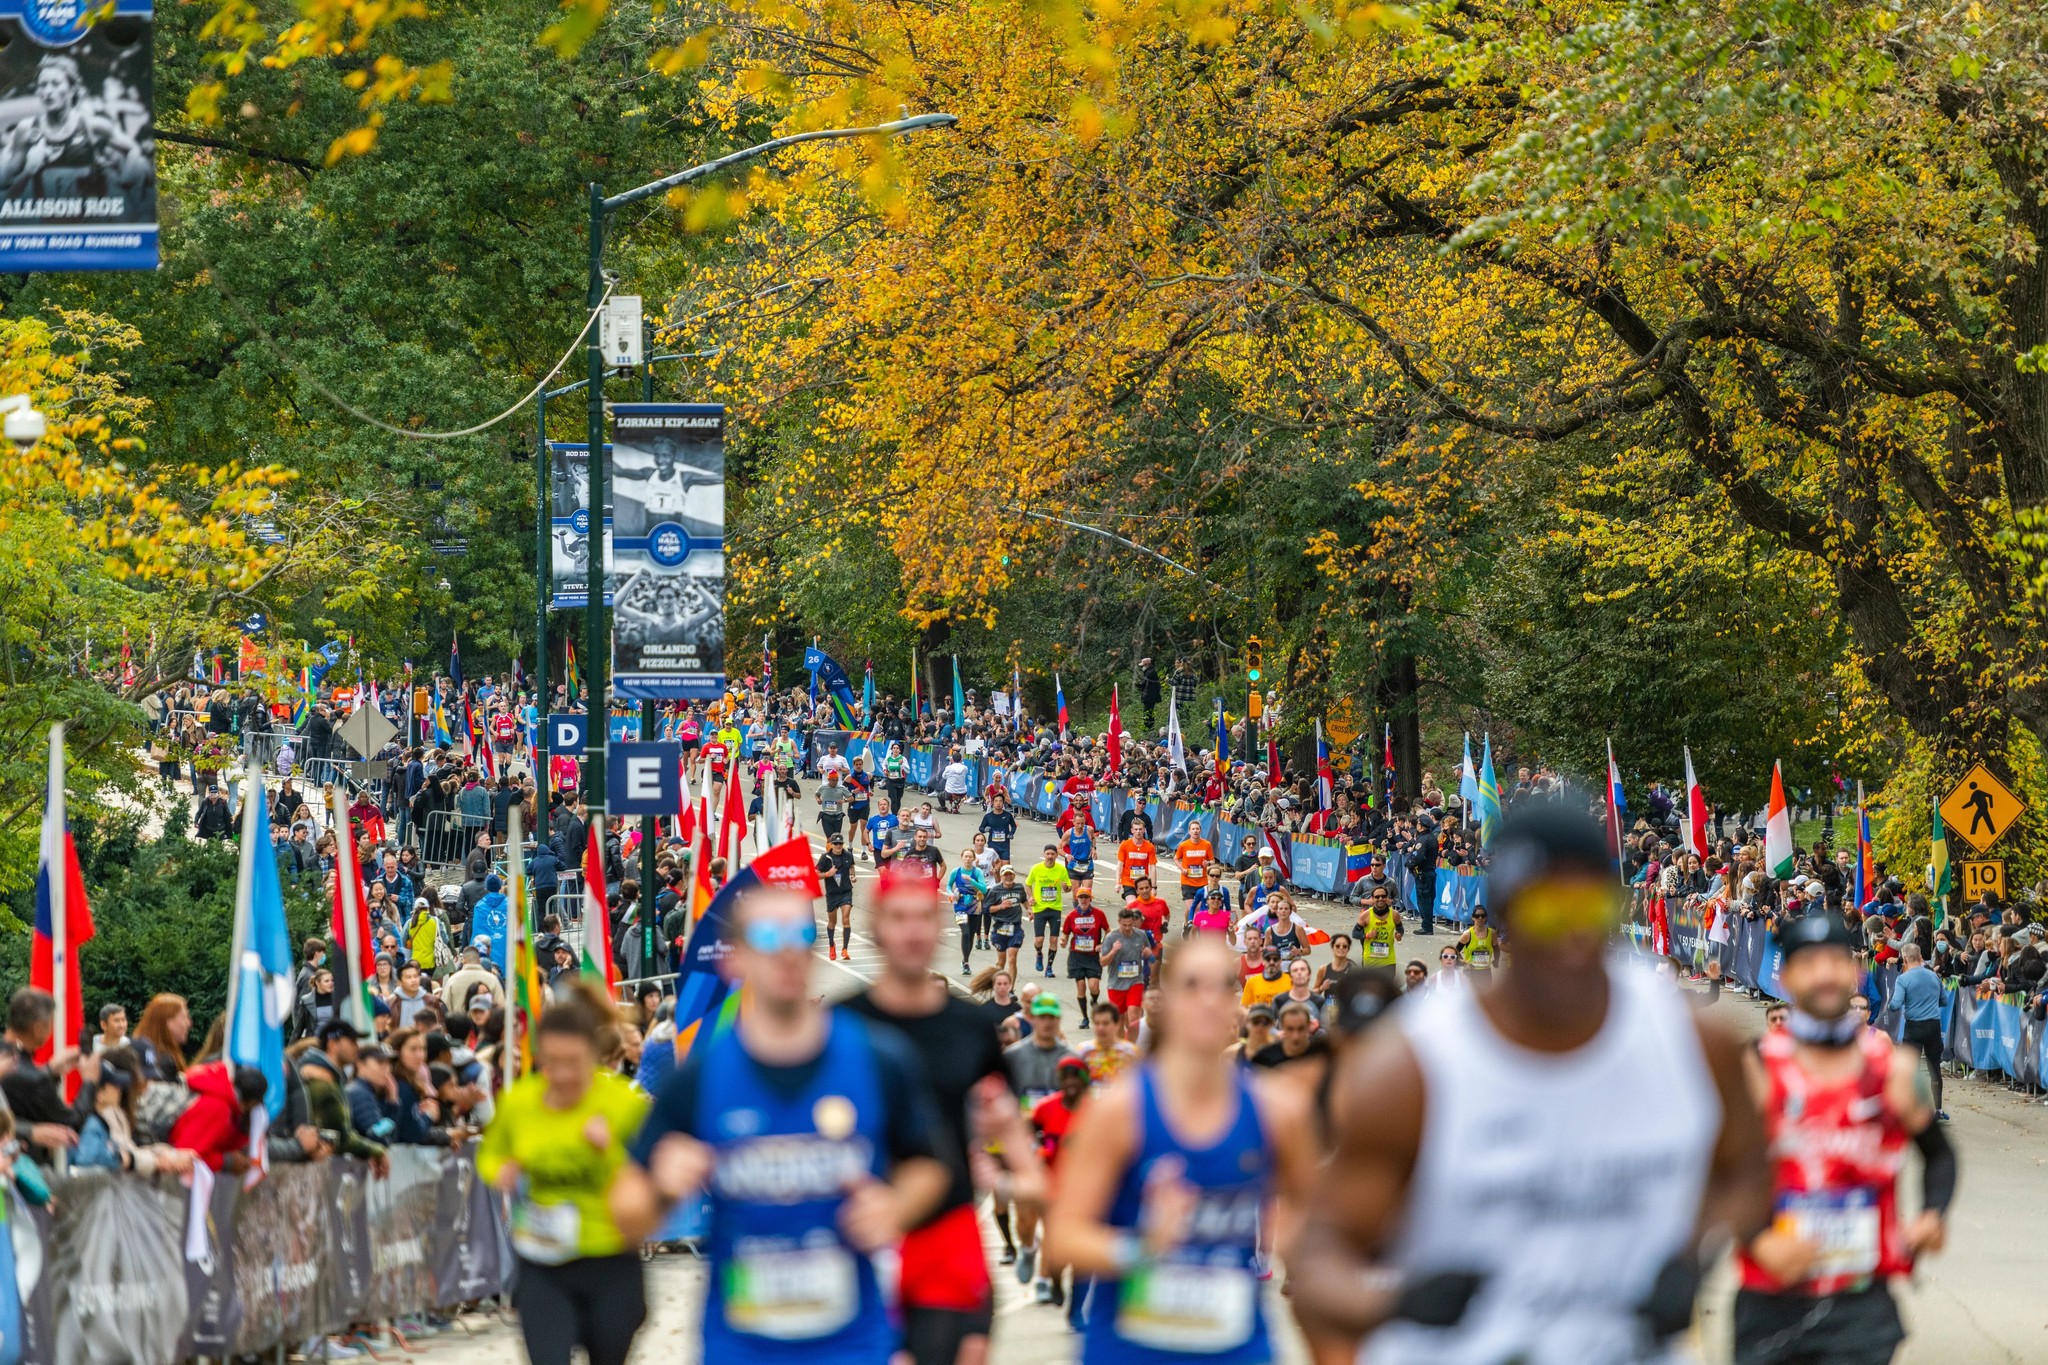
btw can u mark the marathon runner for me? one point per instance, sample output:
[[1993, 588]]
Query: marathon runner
[[1479, 945], [835, 801], [946, 1300], [1195, 855], [1379, 929], [1046, 885], [1135, 857], [813, 1134], [1034, 1062], [1006, 919], [1533, 1167], [999, 825], [835, 871], [860, 807], [1841, 1103], [1127, 956], [1163, 1178], [882, 830], [968, 889], [1082, 936]]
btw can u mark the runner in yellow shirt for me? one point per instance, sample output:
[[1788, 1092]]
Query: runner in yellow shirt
[[1045, 889]]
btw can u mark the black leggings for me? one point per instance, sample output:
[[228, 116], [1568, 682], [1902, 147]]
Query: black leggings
[[1925, 1034], [597, 1303]]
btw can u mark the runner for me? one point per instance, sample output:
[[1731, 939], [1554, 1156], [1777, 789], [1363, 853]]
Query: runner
[[1034, 1063], [1379, 929], [1051, 1119], [555, 1145], [947, 1303], [860, 807], [1082, 936], [835, 800], [1135, 857], [1840, 1105], [968, 890], [1126, 957], [1541, 1162], [1081, 854], [999, 824], [1194, 854], [1108, 1054], [1479, 946], [881, 831], [1153, 912], [1211, 913], [1163, 1178], [1046, 884], [815, 1138], [835, 870], [894, 772], [1005, 910]]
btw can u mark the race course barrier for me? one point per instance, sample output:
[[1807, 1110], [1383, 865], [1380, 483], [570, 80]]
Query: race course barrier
[[147, 1272]]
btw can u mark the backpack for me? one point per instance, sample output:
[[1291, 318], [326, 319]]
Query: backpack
[[158, 1108]]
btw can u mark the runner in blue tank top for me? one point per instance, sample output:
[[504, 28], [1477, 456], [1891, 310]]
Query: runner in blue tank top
[[1163, 1178], [813, 1135]]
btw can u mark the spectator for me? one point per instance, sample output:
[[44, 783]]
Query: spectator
[[322, 1069], [470, 977], [161, 1036], [316, 1006], [113, 1028], [411, 997], [108, 1136], [215, 1125], [31, 1089], [491, 916]]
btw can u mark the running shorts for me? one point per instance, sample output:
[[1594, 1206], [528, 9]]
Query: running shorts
[[1009, 935], [1084, 967], [944, 1266], [1860, 1328], [1130, 998], [1045, 922]]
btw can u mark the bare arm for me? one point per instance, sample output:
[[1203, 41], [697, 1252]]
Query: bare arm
[[1376, 1108], [1094, 1155], [1737, 1200]]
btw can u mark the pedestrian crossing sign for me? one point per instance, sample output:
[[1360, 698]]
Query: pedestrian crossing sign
[[1980, 809]]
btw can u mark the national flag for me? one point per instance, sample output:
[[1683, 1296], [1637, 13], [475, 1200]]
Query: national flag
[[63, 917], [597, 934], [1692, 830], [1778, 850], [1017, 698], [705, 1002], [216, 676], [455, 660], [1326, 780], [1222, 742], [1468, 784], [1489, 797], [349, 930], [127, 660], [1357, 862], [916, 706], [959, 694], [1176, 746], [1059, 697], [250, 662], [732, 823], [686, 812], [1387, 764], [571, 679], [486, 756], [767, 664], [1115, 739], [261, 991], [1866, 865], [1617, 807], [522, 1008], [1274, 776], [1283, 853], [302, 706], [1941, 875]]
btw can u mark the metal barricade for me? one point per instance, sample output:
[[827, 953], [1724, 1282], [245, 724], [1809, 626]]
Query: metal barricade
[[447, 838]]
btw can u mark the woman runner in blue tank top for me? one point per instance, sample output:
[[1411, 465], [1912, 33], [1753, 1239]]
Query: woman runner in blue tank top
[[1163, 1179]]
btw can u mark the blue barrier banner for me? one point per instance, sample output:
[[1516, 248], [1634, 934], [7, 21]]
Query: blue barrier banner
[[1318, 867], [918, 767], [1102, 810]]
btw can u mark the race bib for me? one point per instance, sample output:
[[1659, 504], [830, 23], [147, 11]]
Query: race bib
[[1048, 894], [1127, 971], [1842, 1223], [1197, 1309], [1379, 950], [791, 1294], [1084, 943], [1482, 957], [545, 1233]]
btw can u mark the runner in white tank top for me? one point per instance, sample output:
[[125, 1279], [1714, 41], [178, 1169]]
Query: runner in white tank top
[[1525, 1169]]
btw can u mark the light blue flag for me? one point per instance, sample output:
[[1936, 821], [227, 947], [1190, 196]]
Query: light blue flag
[[959, 694], [1468, 783], [260, 985], [1489, 797]]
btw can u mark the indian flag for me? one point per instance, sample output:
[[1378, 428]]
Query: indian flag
[[1778, 850]]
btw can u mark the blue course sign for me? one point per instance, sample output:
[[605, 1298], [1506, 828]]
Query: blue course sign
[[643, 779], [565, 733]]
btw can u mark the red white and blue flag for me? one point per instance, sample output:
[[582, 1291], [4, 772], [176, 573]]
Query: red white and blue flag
[[1357, 862], [63, 917], [1283, 853], [1387, 765], [1326, 781], [1617, 807], [1866, 864], [1059, 694]]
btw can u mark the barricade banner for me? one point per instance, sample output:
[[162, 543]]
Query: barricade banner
[[1318, 864], [114, 1266]]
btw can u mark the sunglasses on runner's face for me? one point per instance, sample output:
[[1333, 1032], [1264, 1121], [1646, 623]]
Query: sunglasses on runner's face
[[1555, 908], [778, 936]]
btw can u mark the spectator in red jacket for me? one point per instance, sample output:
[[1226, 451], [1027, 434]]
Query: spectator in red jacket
[[215, 1125]]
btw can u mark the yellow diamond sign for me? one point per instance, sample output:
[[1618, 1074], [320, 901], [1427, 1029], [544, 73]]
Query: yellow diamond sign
[[1980, 809]]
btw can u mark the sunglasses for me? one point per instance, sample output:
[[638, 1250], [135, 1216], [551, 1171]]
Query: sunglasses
[[773, 936], [1554, 909]]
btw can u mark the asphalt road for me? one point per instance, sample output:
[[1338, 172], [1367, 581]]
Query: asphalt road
[[1980, 1303]]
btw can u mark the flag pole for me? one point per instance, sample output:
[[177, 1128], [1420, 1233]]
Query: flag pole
[[245, 881], [348, 894], [515, 935], [59, 875]]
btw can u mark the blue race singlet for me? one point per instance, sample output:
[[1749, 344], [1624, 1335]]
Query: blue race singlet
[[1080, 856], [1203, 1298], [785, 1286]]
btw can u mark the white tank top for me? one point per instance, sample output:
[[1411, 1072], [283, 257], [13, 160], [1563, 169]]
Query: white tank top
[[1568, 1180]]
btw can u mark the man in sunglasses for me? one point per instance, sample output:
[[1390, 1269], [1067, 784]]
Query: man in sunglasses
[[814, 1135], [1535, 1166]]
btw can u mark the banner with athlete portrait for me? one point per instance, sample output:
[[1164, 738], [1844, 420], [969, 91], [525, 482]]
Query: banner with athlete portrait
[[77, 137], [569, 528], [668, 550]]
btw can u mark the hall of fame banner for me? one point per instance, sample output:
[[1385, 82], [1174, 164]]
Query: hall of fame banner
[[668, 550], [77, 136]]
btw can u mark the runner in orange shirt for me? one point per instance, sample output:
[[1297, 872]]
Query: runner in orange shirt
[[1194, 854], [1135, 857]]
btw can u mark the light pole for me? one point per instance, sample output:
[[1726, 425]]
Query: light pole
[[596, 636]]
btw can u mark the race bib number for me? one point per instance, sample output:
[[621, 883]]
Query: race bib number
[[1084, 943], [791, 1294], [546, 1234], [1127, 971], [1048, 894], [1843, 1224], [1379, 950], [1196, 1309], [1482, 957]]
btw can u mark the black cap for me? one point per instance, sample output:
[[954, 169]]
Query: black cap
[[1815, 931], [1540, 839], [340, 1028]]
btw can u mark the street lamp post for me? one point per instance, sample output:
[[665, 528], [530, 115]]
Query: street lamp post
[[596, 637]]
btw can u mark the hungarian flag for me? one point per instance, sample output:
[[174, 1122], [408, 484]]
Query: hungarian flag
[[1778, 849], [1692, 830], [597, 921], [63, 917]]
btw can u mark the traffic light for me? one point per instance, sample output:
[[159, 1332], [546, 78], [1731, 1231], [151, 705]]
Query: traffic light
[[1255, 705], [1253, 658]]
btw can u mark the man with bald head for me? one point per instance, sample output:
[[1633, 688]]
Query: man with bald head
[[813, 1135]]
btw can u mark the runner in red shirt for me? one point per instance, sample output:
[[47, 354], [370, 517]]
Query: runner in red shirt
[[1151, 909], [1079, 791], [1054, 1115], [1082, 934]]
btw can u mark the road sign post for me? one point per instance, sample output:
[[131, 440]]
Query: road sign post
[[1980, 809]]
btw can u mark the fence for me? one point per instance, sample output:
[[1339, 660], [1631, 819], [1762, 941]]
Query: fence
[[145, 1272]]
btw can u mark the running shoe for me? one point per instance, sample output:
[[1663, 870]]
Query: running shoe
[[1059, 1293], [1027, 1260], [1042, 1292], [1008, 1257]]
